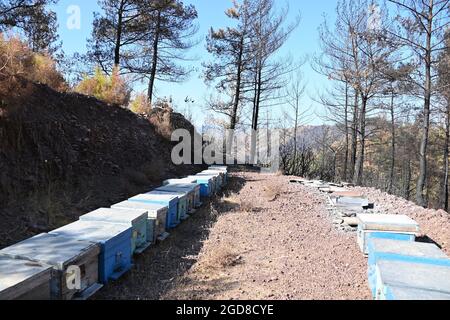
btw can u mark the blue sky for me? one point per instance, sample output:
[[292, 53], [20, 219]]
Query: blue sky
[[303, 42]]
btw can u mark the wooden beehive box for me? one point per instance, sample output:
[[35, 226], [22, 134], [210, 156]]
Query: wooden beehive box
[[187, 184], [393, 250], [164, 199], [114, 240], [62, 253], [206, 185], [219, 175], [394, 227], [188, 189], [157, 217], [136, 219], [182, 208], [426, 277], [24, 280], [223, 169]]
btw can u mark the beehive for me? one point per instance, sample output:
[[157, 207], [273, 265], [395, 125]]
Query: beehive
[[182, 209], [165, 199], [206, 185], [187, 184], [219, 175], [223, 169], [399, 274], [394, 227], [62, 253], [191, 191], [136, 219], [24, 280], [157, 218], [392, 250], [114, 240], [412, 294]]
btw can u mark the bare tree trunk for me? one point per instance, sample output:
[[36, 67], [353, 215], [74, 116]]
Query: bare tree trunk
[[347, 141], [151, 83], [445, 179], [256, 106], [393, 146], [354, 134], [359, 167], [421, 182], [118, 35]]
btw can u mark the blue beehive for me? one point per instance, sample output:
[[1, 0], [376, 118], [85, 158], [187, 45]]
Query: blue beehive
[[157, 218], [220, 176], [206, 185], [395, 227], [136, 219], [189, 184], [114, 240], [391, 275], [188, 193], [182, 208], [24, 280], [218, 181], [412, 294], [393, 250], [62, 254], [223, 169], [165, 199]]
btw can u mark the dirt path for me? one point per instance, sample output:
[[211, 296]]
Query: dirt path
[[265, 239]]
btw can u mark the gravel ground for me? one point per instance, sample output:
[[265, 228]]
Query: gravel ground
[[268, 239], [274, 240]]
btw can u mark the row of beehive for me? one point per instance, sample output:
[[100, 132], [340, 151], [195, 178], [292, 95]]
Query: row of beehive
[[75, 261], [399, 268]]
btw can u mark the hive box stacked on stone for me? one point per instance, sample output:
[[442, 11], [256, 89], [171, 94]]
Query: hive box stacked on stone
[[393, 250], [114, 240], [392, 275], [207, 185], [136, 219], [395, 227], [186, 199], [216, 183], [357, 202], [63, 254], [24, 280], [157, 217], [182, 206], [163, 199], [187, 184]]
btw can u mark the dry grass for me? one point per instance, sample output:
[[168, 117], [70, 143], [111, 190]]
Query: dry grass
[[272, 192], [222, 257]]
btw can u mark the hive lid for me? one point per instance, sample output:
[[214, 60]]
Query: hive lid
[[95, 231], [406, 248], [387, 222], [51, 249], [414, 275], [164, 191], [154, 197], [16, 271], [179, 187], [181, 181], [152, 208], [116, 215], [413, 294]]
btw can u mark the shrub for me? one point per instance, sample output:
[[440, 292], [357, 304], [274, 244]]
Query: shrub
[[112, 89], [140, 104], [18, 60]]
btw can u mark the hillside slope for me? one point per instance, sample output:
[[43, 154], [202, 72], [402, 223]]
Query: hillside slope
[[62, 154]]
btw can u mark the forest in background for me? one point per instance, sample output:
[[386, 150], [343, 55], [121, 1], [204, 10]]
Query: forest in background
[[387, 62]]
